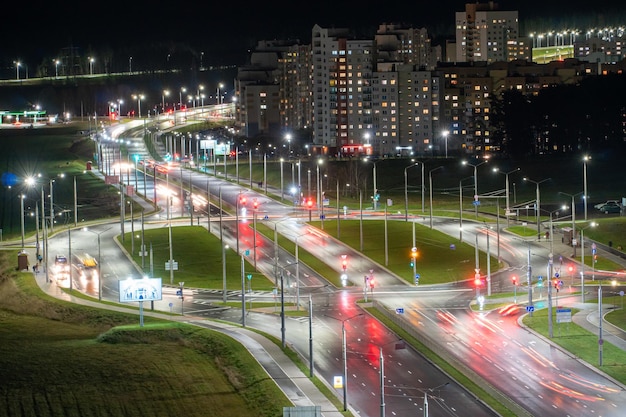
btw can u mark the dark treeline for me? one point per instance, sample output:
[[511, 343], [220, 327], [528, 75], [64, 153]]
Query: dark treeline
[[587, 117]]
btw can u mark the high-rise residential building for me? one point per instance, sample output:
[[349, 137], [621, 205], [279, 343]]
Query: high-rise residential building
[[406, 45], [273, 92], [486, 34], [341, 90]]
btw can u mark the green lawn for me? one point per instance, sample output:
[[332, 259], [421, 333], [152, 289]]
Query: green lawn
[[63, 359]]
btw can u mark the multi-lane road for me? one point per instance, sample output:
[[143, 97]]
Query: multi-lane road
[[542, 379]]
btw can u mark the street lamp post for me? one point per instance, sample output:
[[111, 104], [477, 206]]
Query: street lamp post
[[22, 197], [318, 185], [288, 139], [17, 69], [91, 61], [219, 87], [538, 202], [582, 260], [475, 182], [165, 93], [461, 207], [406, 187], [56, 68], [139, 97], [572, 196], [282, 187], [445, 134], [99, 261], [375, 201], [586, 158], [506, 185], [344, 356], [430, 190], [180, 97]]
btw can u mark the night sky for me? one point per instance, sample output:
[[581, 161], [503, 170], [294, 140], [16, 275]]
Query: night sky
[[38, 30]]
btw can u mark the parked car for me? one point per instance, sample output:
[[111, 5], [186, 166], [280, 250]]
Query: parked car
[[610, 208], [608, 203]]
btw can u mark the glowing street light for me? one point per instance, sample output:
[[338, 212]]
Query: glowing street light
[[56, 67], [219, 87], [163, 95], [445, 134], [475, 182], [91, 61], [138, 97], [406, 192], [506, 174], [344, 356], [538, 203]]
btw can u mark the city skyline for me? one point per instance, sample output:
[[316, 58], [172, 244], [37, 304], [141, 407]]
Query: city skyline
[[226, 32]]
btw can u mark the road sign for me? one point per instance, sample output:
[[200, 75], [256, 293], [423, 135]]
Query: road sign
[[399, 310], [564, 315], [249, 276], [247, 252], [530, 309], [179, 292], [174, 263]]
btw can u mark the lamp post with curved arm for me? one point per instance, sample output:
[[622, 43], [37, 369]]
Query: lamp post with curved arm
[[538, 202], [375, 201], [506, 185], [572, 196], [406, 186], [475, 166]]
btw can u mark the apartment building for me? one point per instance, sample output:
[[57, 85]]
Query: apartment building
[[392, 95], [341, 90], [486, 34], [273, 91]]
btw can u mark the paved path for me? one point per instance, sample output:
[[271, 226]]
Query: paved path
[[297, 386]]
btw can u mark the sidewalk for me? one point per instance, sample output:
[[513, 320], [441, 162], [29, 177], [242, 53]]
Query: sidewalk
[[297, 386]]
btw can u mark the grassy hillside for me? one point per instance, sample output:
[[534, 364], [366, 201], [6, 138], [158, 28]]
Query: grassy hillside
[[60, 359]]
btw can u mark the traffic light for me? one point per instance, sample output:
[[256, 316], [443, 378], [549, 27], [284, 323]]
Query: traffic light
[[372, 283], [478, 282], [255, 204], [242, 200], [414, 255], [514, 279], [309, 203]]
